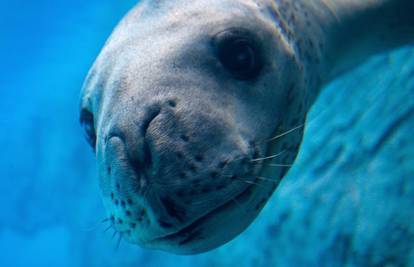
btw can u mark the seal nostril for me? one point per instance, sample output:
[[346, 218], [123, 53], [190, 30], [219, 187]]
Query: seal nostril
[[151, 115], [172, 103]]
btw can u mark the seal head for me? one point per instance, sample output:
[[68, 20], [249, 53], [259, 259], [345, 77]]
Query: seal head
[[181, 107]]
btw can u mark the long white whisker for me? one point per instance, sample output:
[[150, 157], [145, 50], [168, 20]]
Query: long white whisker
[[276, 165], [285, 133], [269, 157]]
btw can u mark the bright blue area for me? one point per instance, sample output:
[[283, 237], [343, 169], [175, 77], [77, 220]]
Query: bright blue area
[[50, 205]]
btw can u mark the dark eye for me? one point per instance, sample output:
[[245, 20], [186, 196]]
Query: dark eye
[[238, 51], [87, 122]]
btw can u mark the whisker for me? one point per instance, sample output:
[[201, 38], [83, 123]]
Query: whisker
[[275, 165], [285, 133], [114, 234], [119, 241], [269, 157], [109, 227], [280, 165], [95, 226], [236, 159], [268, 179], [250, 182]]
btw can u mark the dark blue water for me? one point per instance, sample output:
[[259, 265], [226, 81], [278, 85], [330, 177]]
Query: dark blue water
[[50, 203]]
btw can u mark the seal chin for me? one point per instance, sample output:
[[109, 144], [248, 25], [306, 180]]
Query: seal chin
[[207, 232], [220, 224]]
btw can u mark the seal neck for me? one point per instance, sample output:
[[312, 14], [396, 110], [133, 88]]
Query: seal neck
[[331, 37], [356, 30]]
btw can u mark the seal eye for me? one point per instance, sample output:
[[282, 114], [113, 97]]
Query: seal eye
[[238, 52], [87, 122]]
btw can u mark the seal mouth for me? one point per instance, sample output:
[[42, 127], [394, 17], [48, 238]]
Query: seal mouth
[[193, 231]]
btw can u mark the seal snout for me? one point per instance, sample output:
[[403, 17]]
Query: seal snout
[[173, 168]]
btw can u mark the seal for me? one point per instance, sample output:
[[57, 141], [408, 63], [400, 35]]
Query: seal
[[196, 111]]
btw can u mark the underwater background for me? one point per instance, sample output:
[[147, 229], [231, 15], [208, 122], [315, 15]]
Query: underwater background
[[349, 199]]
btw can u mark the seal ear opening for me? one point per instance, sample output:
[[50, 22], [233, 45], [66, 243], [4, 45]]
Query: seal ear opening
[[88, 124]]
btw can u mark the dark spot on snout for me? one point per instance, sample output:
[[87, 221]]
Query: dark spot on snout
[[193, 168], [206, 189], [214, 174], [185, 138]]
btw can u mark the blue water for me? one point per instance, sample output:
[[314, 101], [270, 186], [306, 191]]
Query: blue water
[[50, 204]]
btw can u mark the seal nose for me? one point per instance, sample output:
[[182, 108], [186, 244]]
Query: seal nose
[[132, 148], [140, 155]]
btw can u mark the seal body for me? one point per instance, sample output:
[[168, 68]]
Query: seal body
[[196, 111]]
